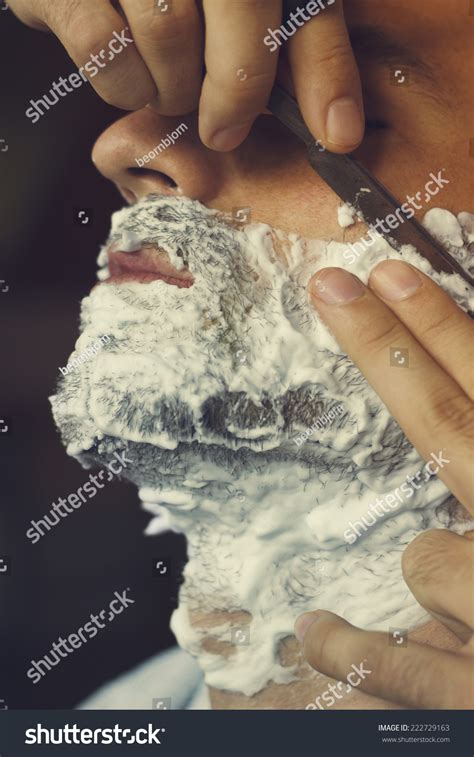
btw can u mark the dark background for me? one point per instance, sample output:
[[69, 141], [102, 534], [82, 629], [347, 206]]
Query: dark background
[[47, 260]]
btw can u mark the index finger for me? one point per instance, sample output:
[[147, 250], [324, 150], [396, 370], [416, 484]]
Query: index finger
[[326, 78], [240, 69], [99, 41], [430, 406], [444, 330]]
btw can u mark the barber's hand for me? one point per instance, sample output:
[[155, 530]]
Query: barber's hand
[[173, 40], [432, 399]]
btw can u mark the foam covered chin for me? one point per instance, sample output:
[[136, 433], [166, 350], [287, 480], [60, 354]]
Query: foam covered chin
[[208, 388]]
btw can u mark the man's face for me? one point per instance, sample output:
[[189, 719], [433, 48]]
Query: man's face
[[409, 128], [414, 120]]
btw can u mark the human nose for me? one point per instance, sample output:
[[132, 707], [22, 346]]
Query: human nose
[[146, 153]]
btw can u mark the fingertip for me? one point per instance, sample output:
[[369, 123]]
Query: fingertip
[[345, 125], [228, 138], [304, 621], [334, 286], [327, 83]]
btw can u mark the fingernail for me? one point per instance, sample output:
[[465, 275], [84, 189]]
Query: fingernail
[[304, 622], [335, 286], [228, 139], [395, 280], [344, 123]]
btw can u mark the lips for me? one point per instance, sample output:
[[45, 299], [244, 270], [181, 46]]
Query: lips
[[149, 263]]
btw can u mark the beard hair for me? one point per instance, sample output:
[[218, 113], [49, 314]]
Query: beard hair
[[238, 360], [205, 389]]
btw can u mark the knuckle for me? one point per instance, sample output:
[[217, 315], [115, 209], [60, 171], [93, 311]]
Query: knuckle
[[82, 33], [337, 55], [60, 16], [412, 681], [167, 30], [394, 667], [29, 14], [441, 326], [383, 335], [423, 556], [454, 413], [90, 41]]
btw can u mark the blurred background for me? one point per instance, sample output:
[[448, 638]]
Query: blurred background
[[47, 264]]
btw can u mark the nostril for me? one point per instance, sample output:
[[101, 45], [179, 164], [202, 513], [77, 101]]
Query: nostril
[[147, 173]]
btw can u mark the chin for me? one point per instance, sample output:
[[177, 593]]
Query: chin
[[250, 430]]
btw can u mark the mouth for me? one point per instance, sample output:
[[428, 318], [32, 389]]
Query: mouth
[[146, 264]]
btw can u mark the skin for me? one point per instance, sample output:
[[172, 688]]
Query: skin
[[175, 39], [411, 133], [433, 402]]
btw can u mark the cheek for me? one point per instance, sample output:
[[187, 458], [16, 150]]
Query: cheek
[[275, 179], [309, 208], [301, 204]]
